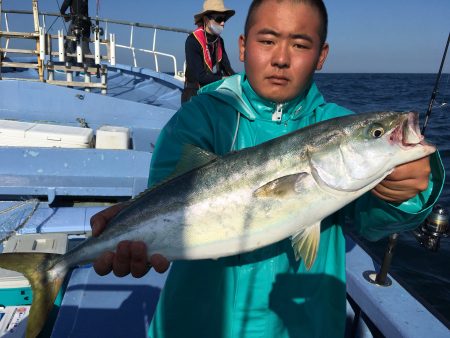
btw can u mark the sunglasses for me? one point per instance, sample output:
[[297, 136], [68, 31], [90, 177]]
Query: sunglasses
[[218, 18]]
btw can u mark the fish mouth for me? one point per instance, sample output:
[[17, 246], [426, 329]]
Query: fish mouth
[[407, 134]]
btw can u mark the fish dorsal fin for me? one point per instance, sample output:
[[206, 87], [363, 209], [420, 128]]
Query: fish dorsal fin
[[192, 157], [282, 187], [306, 244]]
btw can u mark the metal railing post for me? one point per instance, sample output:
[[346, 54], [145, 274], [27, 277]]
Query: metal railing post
[[36, 29], [154, 51]]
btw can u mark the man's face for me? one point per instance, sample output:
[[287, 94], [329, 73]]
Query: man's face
[[282, 49]]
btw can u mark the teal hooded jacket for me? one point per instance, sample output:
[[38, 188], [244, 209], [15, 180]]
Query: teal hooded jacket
[[266, 293]]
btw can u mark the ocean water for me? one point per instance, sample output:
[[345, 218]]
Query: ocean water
[[424, 273]]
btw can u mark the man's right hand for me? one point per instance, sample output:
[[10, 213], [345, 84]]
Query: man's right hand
[[130, 256]]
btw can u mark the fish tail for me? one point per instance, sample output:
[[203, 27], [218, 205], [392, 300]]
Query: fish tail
[[45, 280]]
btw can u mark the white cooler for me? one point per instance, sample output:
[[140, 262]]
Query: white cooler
[[20, 134]]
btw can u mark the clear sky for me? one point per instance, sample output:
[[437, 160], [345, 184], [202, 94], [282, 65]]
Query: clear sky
[[399, 36]]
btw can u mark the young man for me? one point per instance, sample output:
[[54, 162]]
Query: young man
[[206, 58], [267, 293]]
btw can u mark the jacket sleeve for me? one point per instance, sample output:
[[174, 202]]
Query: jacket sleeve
[[374, 218]]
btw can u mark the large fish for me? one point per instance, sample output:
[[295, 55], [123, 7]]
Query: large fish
[[219, 206]]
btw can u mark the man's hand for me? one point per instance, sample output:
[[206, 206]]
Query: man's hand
[[130, 256], [405, 182]]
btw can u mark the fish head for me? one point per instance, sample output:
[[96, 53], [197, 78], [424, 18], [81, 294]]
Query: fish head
[[364, 148]]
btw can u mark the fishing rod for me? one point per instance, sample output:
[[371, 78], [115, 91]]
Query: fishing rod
[[436, 86]]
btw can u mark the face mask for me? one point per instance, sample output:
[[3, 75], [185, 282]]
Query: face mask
[[215, 28]]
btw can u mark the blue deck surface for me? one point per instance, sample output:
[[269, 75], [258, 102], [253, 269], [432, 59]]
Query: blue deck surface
[[394, 311], [97, 307]]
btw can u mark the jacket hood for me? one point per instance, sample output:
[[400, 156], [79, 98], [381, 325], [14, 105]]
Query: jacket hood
[[237, 92]]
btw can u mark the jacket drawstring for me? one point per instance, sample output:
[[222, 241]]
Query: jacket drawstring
[[236, 131]]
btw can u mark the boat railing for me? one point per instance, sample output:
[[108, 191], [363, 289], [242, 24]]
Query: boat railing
[[153, 51], [70, 61], [127, 44]]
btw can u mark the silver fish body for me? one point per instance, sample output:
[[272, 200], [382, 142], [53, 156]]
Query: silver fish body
[[260, 195]]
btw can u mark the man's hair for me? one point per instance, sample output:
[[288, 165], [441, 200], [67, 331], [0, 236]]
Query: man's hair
[[318, 4]]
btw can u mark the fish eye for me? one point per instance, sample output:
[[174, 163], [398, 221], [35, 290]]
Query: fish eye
[[377, 131]]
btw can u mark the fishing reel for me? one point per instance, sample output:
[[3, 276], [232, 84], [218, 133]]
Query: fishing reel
[[435, 227]]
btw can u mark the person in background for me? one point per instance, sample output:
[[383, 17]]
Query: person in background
[[266, 292], [80, 26], [206, 58]]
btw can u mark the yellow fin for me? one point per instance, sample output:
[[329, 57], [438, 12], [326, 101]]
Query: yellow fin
[[282, 187], [306, 244], [44, 285]]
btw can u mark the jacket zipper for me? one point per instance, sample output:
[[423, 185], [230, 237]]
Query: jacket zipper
[[278, 113]]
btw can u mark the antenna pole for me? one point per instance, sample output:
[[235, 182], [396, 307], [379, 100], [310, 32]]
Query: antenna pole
[[436, 85]]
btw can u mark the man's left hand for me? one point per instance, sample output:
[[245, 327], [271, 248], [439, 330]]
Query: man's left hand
[[405, 182]]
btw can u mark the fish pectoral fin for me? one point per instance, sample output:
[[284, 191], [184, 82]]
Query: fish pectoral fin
[[306, 244], [282, 187]]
